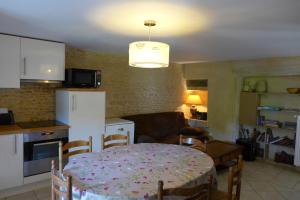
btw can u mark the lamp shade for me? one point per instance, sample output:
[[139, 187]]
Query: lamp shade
[[194, 99], [148, 54]]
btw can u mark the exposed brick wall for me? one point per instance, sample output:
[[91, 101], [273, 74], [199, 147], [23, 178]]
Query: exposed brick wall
[[128, 90], [33, 102], [132, 90]]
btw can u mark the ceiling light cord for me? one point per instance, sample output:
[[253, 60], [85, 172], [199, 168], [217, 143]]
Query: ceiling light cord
[[149, 23], [149, 33]]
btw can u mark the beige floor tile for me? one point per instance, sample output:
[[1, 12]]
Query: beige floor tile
[[43, 193], [246, 186], [250, 195], [261, 186], [286, 180], [290, 194], [297, 186], [24, 196], [270, 195]]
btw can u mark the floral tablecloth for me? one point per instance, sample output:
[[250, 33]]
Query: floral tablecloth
[[132, 172]]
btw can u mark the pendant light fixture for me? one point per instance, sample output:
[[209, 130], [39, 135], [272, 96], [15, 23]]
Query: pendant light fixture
[[149, 54]]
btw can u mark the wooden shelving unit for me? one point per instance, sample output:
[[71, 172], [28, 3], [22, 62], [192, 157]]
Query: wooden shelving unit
[[282, 128], [249, 113]]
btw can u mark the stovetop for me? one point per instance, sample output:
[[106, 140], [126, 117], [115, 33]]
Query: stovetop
[[38, 124]]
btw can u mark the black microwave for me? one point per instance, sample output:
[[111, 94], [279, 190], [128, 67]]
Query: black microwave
[[82, 78]]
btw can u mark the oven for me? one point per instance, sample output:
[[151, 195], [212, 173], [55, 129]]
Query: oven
[[40, 148]]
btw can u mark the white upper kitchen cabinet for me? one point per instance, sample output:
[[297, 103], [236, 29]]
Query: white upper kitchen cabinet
[[84, 112], [11, 164], [9, 61], [42, 60]]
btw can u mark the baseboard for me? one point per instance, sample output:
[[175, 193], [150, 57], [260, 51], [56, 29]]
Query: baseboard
[[37, 178], [282, 165], [25, 188]]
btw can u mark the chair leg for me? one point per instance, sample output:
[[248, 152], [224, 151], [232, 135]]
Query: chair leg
[[60, 157], [90, 144], [160, 190], [53, 195], [128, 138], [103, 141], [238, 191], [180, 139]]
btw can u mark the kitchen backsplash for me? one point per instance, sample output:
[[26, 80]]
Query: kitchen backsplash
[[128, 90], [33, 102]]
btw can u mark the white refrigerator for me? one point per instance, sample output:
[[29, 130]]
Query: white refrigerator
[[84, 111]]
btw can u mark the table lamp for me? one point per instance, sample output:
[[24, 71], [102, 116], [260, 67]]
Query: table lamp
[[193, 100]]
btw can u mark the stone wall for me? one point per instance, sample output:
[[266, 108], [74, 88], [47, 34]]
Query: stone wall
[[128, 90]]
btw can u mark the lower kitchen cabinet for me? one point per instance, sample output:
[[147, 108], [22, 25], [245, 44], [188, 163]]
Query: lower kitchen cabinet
[[11, 160]]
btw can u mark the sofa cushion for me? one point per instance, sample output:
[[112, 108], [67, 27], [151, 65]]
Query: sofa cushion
[[171, 139], [145, 139]]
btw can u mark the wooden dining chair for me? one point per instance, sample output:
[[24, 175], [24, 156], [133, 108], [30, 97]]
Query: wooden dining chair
[[110, 140], [196, 143], [65, 150], [199, 192], [60, 189], [234, 181]]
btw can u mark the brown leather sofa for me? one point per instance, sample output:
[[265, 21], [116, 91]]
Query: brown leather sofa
[[162, 127]]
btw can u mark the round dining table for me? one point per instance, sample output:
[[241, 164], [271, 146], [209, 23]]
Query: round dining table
[[132, 172]]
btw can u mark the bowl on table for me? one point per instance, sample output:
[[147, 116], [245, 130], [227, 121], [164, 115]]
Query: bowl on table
[[293, 90]]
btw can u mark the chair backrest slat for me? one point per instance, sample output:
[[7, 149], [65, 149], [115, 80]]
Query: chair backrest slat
[[60, 188], [67, 155], [116, 144], [114, 140], [198, 192], [234, 179], [77, 143], [115, 137], [65, 151]]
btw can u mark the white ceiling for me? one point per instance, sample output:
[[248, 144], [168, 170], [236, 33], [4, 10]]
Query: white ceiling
[[197, 30]]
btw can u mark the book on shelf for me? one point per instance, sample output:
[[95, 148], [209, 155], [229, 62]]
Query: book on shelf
[[275, 139], [271, 108]]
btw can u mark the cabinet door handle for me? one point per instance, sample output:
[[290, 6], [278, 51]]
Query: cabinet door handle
[[47, 133], [24, 67], [74, 103], [16, 144]]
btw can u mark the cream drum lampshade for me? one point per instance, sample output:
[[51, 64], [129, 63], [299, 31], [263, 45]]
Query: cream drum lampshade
[[148, 54]]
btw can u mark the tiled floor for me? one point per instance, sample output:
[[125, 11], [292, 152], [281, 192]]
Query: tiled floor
[[265, 181], [261, 181], [38, 194]]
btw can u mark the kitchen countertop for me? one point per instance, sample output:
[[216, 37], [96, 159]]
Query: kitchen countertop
[[9, 129], [32, 127], [82, 89]]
